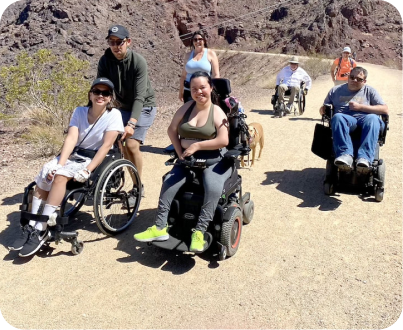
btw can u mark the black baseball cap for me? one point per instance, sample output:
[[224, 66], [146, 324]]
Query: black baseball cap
[[103, 81], [118, 31]]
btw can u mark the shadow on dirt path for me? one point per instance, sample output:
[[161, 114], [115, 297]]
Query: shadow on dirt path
[[303, 184]]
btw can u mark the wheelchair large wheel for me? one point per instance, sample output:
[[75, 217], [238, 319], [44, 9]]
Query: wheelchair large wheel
[[118, 183], [301, 103], [231, 230], [379, 182], [74, 203]]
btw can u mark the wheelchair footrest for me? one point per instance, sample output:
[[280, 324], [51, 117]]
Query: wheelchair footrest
[[173, 243]]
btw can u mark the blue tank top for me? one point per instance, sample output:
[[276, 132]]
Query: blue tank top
[[193, 66]]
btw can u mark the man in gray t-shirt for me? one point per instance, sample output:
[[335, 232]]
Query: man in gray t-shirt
[[355, 105]]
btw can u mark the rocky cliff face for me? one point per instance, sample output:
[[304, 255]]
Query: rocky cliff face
[[160, 29]]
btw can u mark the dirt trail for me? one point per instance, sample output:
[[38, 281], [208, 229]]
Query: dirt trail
[[306, 260]]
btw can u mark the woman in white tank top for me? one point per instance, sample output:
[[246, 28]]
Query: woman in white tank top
[[200, 58]]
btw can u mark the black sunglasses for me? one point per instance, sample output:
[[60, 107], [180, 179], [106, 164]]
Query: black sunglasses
[[198, 39], [116, 42], [97, 92], [358, 79]]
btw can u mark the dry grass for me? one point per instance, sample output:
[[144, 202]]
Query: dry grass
[[316, 66], [44, 132]]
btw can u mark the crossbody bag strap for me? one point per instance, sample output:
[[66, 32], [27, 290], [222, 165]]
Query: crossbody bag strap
[[99, 117]]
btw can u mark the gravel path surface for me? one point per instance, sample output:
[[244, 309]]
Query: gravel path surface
[[305, 261]]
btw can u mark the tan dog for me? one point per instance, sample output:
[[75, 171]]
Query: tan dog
[[256, 137]]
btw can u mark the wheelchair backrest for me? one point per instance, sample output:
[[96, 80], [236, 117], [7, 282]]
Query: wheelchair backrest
[[237, 125], [222, 88]]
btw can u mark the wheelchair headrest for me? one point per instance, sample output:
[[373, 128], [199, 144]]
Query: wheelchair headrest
[[222, 86]]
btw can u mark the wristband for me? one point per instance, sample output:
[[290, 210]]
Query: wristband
[[131, 123]]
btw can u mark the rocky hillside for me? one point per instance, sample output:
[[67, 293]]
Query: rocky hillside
[[160, 29]]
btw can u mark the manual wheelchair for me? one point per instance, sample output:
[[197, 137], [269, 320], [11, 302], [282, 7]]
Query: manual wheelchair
[[279, 107], [371, 182], [109, 188], [234, 208]]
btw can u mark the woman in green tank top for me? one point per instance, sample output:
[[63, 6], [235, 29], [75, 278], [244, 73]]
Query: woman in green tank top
[[198, 128]]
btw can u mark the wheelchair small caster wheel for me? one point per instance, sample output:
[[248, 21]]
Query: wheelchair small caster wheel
[[328, 188], [77, 247], [379, 194], [223, 253], [248, 211]]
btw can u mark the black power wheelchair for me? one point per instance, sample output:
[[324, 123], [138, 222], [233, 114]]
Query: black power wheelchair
[[234, 208], [370, 182], [109, 188], [279, 107]]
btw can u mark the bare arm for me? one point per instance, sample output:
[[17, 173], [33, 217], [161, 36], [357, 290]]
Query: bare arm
[[69, 144], [322, 110], [182, 79], [109, 139], [379, 109], [173, 128], [332, 71], [214, 64]]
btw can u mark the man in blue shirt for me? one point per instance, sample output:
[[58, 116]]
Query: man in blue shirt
[[356, 105]]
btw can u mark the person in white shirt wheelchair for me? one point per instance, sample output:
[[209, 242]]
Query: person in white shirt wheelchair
[[292, 84]]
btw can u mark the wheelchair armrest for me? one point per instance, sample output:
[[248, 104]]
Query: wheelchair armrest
[[385, 119], [328, 112], [382, 134], [233, 154]]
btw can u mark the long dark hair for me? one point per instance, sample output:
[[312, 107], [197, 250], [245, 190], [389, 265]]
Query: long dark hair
[[113, 103], [197, 74], [201, 34]]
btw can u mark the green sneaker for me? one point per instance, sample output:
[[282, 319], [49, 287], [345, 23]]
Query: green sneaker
[[152, 234], [197, 244]]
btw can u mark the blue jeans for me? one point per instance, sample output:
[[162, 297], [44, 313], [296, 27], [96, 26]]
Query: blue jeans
[[343, 125]]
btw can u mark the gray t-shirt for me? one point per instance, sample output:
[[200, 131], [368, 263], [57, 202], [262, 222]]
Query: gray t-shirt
[[340, 96]]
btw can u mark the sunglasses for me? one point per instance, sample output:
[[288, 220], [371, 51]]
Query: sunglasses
[[357, 79], [97, 92], [116, 42], [198, 39]]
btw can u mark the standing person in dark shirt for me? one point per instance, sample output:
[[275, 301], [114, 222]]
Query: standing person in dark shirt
[[128, 72]]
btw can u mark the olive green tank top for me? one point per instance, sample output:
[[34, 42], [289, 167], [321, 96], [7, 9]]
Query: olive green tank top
[[206, 132]]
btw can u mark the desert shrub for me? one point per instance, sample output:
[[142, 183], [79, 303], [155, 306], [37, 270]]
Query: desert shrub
[[316, 66], [44, 89], [270, 82], [393, 64]]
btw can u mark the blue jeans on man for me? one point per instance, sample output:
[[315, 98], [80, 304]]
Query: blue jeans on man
[[343, 125]]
